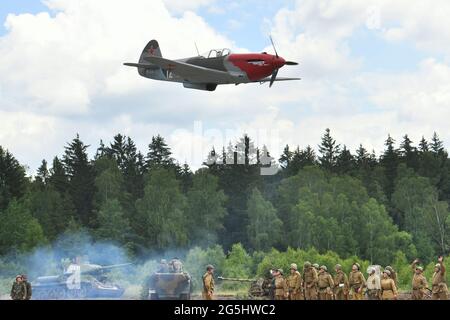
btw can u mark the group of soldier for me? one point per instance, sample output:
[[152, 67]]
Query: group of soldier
[[21, 288], [316, 283], [174, 266]]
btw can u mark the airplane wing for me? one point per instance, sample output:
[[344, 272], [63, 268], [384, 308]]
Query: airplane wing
[[192, 73], [277, 79]]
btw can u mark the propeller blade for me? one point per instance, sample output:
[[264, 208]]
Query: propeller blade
[[274, 76], [291, 63], [271, 40]]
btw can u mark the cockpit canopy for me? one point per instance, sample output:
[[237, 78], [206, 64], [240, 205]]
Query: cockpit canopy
[[216, 53]]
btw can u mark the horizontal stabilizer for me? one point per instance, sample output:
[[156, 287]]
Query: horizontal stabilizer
[[141, 65]]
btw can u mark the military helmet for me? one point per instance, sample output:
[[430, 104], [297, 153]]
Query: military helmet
[[307, 264], [357, 265], [371, 270], [324, 268], [316, 265], [294, 266], [389, 268], [209, 267], [387, 272], [338, 267], [280, 270], [437, 266], [419, 268]]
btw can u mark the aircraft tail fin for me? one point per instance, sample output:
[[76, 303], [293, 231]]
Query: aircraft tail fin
[[151, 49]]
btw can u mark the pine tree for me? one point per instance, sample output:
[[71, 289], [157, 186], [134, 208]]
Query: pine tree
[[12, 178], [186, 177], [390, 162], [437, 146], [329, 151], [285, 158], [81, 179], [159, 154], [362, 156], [345, 162], [409, 153], [423, 145], [58, 177], [42, 176]]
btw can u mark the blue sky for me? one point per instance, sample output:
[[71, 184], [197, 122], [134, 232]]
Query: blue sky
[[245, 22], [371, 82], [17, 7]]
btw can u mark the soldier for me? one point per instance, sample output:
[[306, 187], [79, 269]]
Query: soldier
[[295, 284], [27, 287], [176, 265], [393, 274], [439, 286], [388, 287], [163, 266], [267, 285], [373, 285], [208, 283], [316, 267], [325, 283], [310, 281], [18, 290], [419, 282], [281, 289], [340, 284], [356, 282]]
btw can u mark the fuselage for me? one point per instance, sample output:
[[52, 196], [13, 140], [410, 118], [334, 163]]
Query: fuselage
[[247, 66]]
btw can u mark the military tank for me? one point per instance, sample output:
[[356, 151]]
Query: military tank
[[259, 288], [168, 286], [93, 284]]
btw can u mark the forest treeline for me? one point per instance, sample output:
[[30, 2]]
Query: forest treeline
[[332, 200]]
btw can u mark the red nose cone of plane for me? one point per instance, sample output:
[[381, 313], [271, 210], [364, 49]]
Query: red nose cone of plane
[[278, 62]]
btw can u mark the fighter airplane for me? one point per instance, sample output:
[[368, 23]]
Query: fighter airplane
[[218, 66]]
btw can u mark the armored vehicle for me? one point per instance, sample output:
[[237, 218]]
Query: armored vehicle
[[168, 286], [93, 283]]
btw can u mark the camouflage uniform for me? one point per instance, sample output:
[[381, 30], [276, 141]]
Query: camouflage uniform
[[340, 284], [208, 286], [294, 282], [18, 291], [325, 284], [419, 283], [281, 288], [310, 282], [356, 282], [28, 290], [439, 285]]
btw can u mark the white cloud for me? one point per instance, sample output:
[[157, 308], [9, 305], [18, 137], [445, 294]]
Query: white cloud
[[59, 64], [62, 73], [180, 6]]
